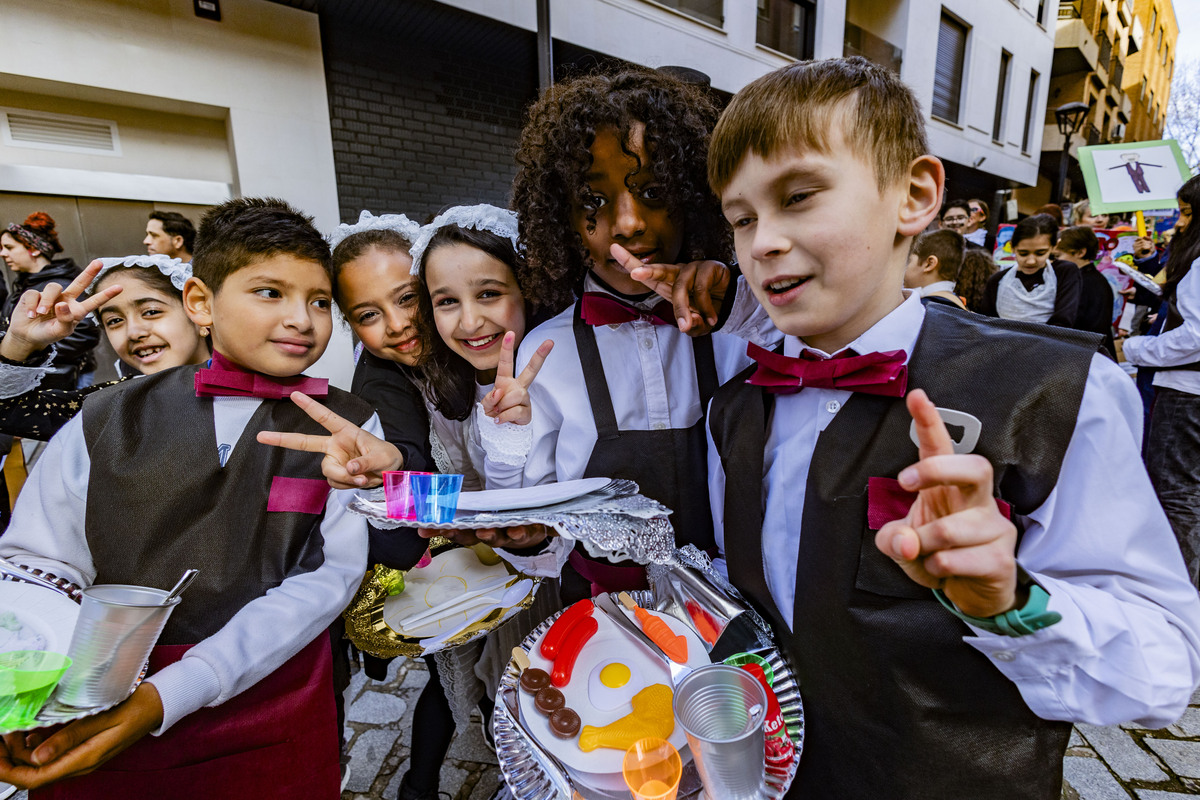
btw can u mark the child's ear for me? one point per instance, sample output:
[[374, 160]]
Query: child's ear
[[921, 205], [930, 264], [197, 302]]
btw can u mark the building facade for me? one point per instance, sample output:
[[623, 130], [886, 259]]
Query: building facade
[[1116, 57]]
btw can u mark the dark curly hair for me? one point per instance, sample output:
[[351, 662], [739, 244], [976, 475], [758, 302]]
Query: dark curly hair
[[554, 155]]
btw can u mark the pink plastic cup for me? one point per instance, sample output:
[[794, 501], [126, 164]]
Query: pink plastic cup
[[398, 491]]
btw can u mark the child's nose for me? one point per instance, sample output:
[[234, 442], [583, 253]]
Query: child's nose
[[768, 240], [471, 320], [299, 315], [628, 221]]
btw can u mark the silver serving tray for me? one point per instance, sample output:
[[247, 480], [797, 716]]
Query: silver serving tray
[[525, 777]]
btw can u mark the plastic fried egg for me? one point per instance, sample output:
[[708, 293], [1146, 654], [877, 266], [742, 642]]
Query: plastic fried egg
[[612, 684]]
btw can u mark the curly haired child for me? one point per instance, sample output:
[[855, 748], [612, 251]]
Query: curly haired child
[[611, 176]]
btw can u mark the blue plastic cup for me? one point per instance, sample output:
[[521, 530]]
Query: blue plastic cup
[[435, 497]]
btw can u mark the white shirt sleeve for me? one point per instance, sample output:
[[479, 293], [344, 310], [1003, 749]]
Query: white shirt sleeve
[[47, 527], [1128, 646], [1177, 346]]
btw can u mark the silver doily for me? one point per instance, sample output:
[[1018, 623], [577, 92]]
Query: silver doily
[[613, 522]]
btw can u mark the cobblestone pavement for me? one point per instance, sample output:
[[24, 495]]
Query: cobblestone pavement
[[1114, 763]]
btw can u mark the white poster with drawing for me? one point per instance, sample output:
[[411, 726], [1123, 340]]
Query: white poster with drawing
[[1132, 176]]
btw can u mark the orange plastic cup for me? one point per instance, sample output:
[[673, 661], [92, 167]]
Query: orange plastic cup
[[652, 769]]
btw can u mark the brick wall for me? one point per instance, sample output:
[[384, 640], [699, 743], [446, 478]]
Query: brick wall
[[422, 125]]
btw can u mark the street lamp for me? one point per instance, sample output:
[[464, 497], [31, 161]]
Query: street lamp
[[1068, 117]]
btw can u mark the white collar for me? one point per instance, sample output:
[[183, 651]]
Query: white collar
[[897, 331], [938, 286], [590, 284]]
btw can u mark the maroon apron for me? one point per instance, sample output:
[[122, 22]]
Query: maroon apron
[[276, 739]]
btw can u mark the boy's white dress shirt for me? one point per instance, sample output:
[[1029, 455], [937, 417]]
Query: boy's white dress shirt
[[1128, 646], [47, 532]]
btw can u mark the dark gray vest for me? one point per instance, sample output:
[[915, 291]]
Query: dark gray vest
[[896, 705], [159, 502]]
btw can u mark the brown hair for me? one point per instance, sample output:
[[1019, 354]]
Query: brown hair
[[799, 105], [1053, 210], [553, 158], [1080, 237], [356, 245], [947, 245], [241, 232], [977, 267]]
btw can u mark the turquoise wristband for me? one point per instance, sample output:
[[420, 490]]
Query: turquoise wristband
[[1029, 618]]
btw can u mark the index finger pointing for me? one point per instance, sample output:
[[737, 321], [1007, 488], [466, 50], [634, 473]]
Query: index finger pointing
[[293, 441], [931, 430], [319, 414], [535, 363]]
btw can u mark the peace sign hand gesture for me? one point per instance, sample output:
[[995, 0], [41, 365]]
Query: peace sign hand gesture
[[509, 401], [954, 537], [51, 315], [354, 459]]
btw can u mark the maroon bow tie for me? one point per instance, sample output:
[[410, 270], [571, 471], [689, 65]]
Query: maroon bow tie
[[226, 379], [602, 309], [873, 373]]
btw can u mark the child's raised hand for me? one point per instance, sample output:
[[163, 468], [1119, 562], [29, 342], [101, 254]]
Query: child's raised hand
[[43, 318], [509, 401], [81, 746], [694, 289], [954, 537], [354, 459]]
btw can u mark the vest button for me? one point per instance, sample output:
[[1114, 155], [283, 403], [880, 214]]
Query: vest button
[[833, 406], [1004, 655]]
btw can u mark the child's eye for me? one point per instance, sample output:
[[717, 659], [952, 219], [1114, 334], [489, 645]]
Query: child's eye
[[445, 301], [323, 303], [151, 312], [594, 202], [489, 294], [112, 322], [797, 197], [407, 299], [367, 316], [269, 293], [652, 192], [742, 222]]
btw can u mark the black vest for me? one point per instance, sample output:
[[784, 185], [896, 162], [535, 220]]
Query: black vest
[[896, 704], [159, 502]]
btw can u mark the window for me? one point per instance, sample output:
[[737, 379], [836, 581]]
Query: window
[[1105, 49], [1001, 96], [1027, 136], [858, 42], [789, 26], [1142, 96], [1160, 35], [1041, 12], [1153, 17], [1166, 52], [948, 71], [710, 11]]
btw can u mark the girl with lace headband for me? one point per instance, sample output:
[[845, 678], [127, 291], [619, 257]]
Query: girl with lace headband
[[412, 375], [138, 302]]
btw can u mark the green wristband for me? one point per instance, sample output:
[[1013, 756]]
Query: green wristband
[[1029, 618]]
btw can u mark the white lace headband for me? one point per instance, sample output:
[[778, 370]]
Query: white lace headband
[[369, 222], [175, 269], [483, 217]]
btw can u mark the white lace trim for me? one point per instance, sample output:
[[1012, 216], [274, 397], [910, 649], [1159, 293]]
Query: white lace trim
[[504, 443], [441, 457], [175, 269], [482, 217], [369, 222], [16, 381]]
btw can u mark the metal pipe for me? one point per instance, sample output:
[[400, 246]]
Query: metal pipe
[[545, 46]]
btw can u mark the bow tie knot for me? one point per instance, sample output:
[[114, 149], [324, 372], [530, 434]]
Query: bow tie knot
[[223, 378], [872, 373], [598, 309]]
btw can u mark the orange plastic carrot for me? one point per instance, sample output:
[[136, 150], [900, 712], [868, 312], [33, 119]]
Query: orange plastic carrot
[[671, 643]]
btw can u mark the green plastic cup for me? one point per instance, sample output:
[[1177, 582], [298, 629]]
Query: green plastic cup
[[27, 677]]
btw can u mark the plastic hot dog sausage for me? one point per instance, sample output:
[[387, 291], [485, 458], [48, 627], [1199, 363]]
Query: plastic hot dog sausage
[[566, 620], [576, 638]]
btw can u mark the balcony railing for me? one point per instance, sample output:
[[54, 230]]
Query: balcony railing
[[1093, 135], [1117, 73], [1105, 48], [1069, 11]]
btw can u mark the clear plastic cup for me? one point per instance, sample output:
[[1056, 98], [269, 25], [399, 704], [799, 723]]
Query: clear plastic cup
[[398, 493], [27, 677], [652, 769], [117, 628], [435, 496], [722, 709]]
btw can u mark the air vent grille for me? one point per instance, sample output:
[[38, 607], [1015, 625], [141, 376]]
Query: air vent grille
[[59, 132]]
